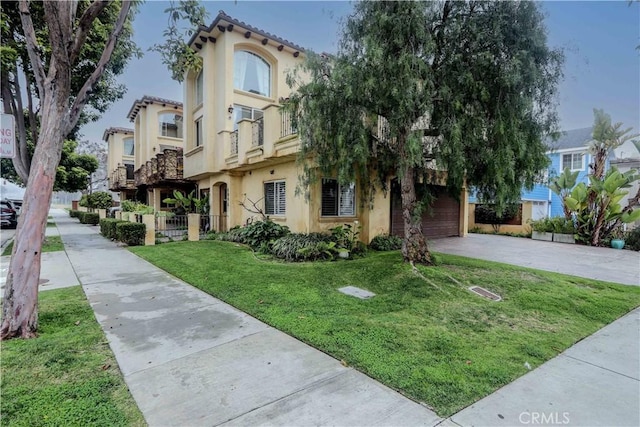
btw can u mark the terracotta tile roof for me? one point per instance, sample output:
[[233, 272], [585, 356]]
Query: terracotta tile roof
[[146, 100], [112, 130], [223, 17]]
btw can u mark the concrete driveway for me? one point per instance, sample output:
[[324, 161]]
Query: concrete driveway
[[612, 265]]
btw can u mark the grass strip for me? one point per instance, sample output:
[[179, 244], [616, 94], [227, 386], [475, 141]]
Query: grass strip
[[68, 374], [50, 244], [441, 345]]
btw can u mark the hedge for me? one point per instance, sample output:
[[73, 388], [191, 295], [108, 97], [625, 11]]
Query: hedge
[[90, 218], [108, 227], [131, 233], [74, 213]]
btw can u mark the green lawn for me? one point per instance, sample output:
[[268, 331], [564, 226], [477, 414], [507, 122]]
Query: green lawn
[[67, 376], [428, 337], [51, 244]]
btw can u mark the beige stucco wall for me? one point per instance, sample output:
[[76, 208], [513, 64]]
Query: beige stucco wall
[[115, 151], [147, 132], [524, 227]]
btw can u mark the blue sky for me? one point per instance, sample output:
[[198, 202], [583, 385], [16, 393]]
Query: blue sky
[[602, 68]]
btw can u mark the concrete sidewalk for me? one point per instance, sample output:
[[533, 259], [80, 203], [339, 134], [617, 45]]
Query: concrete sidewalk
[[190, 359]]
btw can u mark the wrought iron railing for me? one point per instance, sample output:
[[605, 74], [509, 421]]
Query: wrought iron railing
[[257, 139], [172, 227], [213, 223], [234, 142], [286, 124]]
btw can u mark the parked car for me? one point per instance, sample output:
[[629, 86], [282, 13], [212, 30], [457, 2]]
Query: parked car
[[16, 204], [8, 215]]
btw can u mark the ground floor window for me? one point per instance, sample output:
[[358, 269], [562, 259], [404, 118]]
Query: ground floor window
[[337, 199], [275, 202]]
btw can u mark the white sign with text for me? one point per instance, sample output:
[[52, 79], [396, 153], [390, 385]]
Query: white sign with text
[[7, 137]]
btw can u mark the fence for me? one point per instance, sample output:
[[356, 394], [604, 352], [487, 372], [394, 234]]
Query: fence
[[172, 227], [257, 137], [286, 124], [234, 142], [217, 223]]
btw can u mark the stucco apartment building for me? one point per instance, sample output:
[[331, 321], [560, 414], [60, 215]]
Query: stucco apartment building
[[146, 163], [239, 148]]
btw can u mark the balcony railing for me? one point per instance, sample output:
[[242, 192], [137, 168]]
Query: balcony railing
[[120, 180], [164, 167], [234, 142], [257, 126], [286, 124]]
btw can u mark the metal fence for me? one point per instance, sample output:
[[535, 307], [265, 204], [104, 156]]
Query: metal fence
[[257, 137], [217, 223], [172, 227], [286, 124], [234, 142]]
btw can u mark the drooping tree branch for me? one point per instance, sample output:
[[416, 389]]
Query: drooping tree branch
[[84, 26], [32, 46], [83, 94]]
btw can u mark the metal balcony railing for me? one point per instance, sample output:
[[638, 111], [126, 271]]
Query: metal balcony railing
[[286, 124], [257, 138], [234, 142]]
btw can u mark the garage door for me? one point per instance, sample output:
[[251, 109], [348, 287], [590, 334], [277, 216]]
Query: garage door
[[442, 221]]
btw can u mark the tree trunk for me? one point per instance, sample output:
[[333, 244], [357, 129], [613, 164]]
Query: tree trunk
[[19, 310], [414, 245]]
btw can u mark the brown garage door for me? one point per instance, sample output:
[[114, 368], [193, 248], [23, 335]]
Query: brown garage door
[[442, 221]]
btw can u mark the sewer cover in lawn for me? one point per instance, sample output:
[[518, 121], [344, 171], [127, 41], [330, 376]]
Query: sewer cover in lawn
[[356, 292], [485, 293]]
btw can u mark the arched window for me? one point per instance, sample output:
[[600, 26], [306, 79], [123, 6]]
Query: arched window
[[170, 125], [128, 147], [251, 73]]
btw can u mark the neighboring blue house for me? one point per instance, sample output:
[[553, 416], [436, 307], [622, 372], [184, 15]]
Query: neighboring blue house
[[569, 151]]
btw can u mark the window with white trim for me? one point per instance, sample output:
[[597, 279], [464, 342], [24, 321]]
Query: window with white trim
[[275, 200], [573, 161], [251, 73], [337, 199], [241, 112], [170, 125], [128, 147], [199, 88], [198, 132]]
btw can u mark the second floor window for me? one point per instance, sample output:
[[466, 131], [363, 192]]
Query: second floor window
[[251, 73], [198, 132], [199, 88], [572, 161], [129, 167], [275, 202], [170, 125], [128, 147], [338, 200], [241, 112]]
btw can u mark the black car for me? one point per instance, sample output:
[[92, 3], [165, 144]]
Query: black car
[[8, 215]]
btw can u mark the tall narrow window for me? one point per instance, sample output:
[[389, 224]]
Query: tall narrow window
[[128, 147], [241, 112], [199, 88], [251, 73], [170, 125], [275, 202], [338, 200], [129, 167], [198, 132]]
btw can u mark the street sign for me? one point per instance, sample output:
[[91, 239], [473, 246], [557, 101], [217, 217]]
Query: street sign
[[7, 137]]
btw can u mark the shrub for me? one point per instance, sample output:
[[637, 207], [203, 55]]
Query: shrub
[[346, 237], [304, 247], [131, 233], [90, 218], [131, 206], [259, 235], [100, 200], [632, 239], [385, 242], [108, 227], [486, 214], [74, 214], [84, 201]]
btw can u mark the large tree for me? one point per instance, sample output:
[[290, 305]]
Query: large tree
[[60, 40], [467, 87]]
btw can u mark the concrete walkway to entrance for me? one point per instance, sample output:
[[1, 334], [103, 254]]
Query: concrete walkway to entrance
[[190, 359], [611, 265]]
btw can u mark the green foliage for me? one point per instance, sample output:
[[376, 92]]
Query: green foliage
[[74, 169], [132, 206], [260, 235], [413, 336], [597, 206], [304, 247], [174, 51], [49, 244], [606, 138], [555, 224], [480, 71], [108, 227], [385, 242], [487, 214], [67, 375], [562, 185], [89, 218], [99, 200], [131, 233], [84, 201], [188, 204], [632, 239], [346, 237], [74, 213]]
